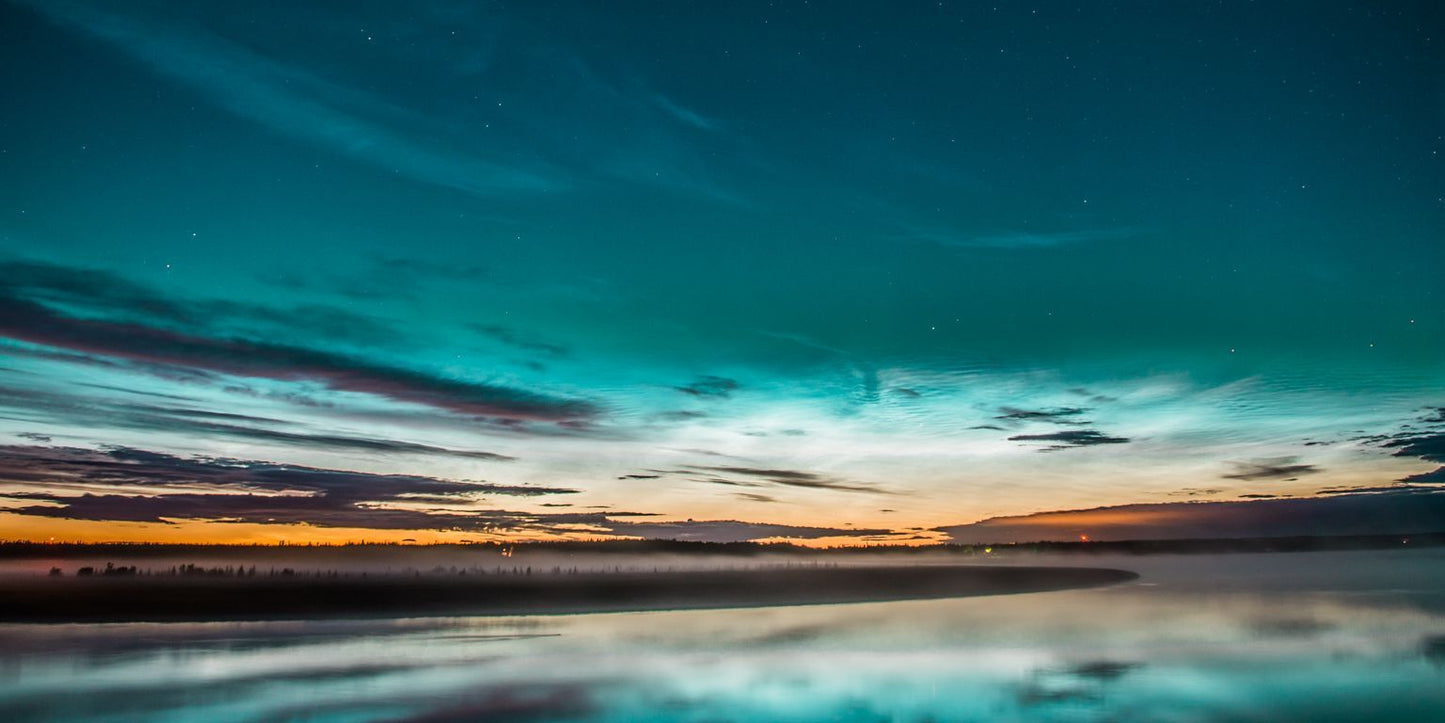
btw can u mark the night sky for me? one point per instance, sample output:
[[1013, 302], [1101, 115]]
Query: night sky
[[832, 272]]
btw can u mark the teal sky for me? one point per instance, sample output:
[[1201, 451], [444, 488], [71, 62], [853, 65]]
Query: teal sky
[[660, 269]]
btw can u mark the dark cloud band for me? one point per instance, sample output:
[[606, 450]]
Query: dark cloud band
[[36, 324]]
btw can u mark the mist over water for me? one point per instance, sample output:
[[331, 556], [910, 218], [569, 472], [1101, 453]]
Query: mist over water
[[1308, 636], [407, 561]]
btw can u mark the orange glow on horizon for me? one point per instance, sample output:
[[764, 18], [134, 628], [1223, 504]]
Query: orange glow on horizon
[[1100, 518], [25, 528]]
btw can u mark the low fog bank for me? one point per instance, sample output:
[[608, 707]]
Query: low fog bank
[[1395, 571], [1366, 569], [432, 560]]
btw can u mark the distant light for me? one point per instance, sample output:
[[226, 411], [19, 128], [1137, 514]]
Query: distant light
[[1083, 538]]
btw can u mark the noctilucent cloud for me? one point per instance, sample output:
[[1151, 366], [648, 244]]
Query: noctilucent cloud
[[819, 272]]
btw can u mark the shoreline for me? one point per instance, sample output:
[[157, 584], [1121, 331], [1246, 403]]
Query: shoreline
[[184, 599]]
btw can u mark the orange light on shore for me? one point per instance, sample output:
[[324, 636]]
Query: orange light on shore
[[1083, 538]]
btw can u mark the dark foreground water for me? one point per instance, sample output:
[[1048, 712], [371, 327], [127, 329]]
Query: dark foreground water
[[1318, 636]]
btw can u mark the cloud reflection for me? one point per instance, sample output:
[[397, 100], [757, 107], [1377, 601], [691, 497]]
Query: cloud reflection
[[1134, 652]]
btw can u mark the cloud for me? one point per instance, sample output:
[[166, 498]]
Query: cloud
[[36, 324], [123, 467], [135, 485], [1069, 439], [1361, 489], [336, 441], [90, 411], [1432, 648], [183, 413], [534, 701], [1271, 468], [685, 116], [385, 276], [1022, 239], [1397, 510], [1429, 446], [729, 531], [1435, 477], [199, 422], [313, 510], [1093, 397], [97, 294], [710, 386], [293, 102], [787, 478], [1102, 670], [1059, 415], [754, 497], [541, 118], [90, 289], [517, 340]]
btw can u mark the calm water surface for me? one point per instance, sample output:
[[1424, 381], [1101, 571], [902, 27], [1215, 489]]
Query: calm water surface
[[1321, 636]]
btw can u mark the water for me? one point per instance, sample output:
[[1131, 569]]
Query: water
[[1320, 636]]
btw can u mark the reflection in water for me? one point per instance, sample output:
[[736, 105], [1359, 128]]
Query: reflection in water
[[1173, 647]]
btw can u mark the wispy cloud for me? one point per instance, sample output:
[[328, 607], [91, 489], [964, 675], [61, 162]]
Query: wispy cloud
[[518, 340], [686, 116], [1428, 446], [293, 102], [755, 497], [121, 467], [1060, 415], [1069, 439], [33, 323], [1437, 476], [730, 531], [1020, 239], [710, 386], [788, 478], [1271, 468], [90, 412], [134, 485], [97, 293], [383, 276]]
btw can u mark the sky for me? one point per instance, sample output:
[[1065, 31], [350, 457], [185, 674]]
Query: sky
[[833, 273]]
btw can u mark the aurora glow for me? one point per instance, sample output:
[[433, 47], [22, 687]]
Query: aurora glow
[[829, 274]]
